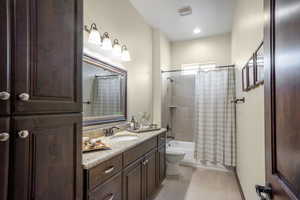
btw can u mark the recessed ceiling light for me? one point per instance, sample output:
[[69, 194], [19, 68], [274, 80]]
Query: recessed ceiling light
[[197, 30]]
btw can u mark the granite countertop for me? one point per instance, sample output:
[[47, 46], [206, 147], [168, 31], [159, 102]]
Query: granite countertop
[[92, 159]]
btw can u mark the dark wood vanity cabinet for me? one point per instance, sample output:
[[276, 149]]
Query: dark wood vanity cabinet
[[47, 56], [46, 157], [110, 190], [139, 179], [143, 171], [40, 99], [133, 181], [149, 174], [4, 156], [161, 164]]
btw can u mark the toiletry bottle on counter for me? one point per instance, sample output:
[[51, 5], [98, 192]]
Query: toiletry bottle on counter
[[132, 123]]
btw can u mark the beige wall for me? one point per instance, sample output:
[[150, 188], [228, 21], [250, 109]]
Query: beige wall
[[247, 34], [215, 49], [161, 58], [122, 20]]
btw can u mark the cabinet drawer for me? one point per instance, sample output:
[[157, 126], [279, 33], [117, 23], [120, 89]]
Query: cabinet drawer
[[112, 189], [138, 151], [104, 171], [162, 138]]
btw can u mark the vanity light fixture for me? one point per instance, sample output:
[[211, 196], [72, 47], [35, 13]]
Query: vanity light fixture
[[106, 42], [117, 49], [125, 54], [94, 35]]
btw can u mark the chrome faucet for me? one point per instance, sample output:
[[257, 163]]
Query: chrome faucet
[[110, 131]]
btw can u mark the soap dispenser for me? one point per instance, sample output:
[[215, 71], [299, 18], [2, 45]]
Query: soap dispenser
[[132, 123]]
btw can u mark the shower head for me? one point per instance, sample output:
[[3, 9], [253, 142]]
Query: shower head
[[170, 79]]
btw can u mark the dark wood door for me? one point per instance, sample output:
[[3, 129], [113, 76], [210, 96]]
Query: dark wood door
[[133, 182], [110, 190], [161, 164], [4, 57], [282, 97], [4, 157], [46, 158], [47, 54], [149, 175]]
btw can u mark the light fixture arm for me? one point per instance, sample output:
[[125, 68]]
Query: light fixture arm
[[93, 26]]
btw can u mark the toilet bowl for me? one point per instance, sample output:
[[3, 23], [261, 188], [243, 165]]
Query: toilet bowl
[[173, 157]]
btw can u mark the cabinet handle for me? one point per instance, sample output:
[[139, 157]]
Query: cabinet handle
[[4, 137], [23, 134], [24, 97], [4, 96], [109, 170]]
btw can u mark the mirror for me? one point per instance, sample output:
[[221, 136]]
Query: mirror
[[104, 92], [260, 65], [251, 73], [245, 81]]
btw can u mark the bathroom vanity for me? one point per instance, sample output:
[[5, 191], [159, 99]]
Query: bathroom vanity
[[131, 170]]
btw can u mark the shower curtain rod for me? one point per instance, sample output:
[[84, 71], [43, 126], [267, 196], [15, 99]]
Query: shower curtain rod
[[180, 70]]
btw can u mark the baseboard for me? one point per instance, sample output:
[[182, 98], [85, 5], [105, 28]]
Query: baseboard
[[239, 185]]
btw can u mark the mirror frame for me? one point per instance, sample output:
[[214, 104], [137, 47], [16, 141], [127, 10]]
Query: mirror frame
[[103, 120]]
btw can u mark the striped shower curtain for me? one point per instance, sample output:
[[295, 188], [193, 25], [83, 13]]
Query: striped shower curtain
[[215, 131], [106, 98]]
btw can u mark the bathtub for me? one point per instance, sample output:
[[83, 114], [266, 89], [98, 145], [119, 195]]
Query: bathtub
[[189, 149], [186, 147]]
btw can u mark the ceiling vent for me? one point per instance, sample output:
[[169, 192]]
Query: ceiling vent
[[184, 11]]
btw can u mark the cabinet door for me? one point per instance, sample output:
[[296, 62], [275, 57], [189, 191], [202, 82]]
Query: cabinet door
[[161, 165], [110, 190], [132, 182], [4, 156], [4, 57], [47, 54], [47, 158], [150, 175]]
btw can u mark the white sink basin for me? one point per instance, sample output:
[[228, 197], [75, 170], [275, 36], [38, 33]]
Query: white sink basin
[[123, 138]]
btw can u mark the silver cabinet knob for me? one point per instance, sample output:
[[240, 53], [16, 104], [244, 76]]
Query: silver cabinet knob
[[145, 162], [23, 134], [4, 96], [24, 97], [4, 137]]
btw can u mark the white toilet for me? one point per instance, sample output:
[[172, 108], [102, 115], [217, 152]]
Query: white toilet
[[173, 157]]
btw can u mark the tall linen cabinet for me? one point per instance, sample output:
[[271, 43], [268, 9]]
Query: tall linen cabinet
[[40, 99]]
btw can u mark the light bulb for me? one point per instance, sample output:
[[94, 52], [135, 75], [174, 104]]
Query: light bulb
[[106, 43], [117, 50], [125, 54], [95, 37]]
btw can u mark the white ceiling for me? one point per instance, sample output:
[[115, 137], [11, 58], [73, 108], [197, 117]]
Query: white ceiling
[[211, 16]]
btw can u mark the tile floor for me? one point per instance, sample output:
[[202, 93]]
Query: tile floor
[[199, 184]]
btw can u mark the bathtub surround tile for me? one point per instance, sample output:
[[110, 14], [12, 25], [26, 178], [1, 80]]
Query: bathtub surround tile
[[200, 184], [181, 93]]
